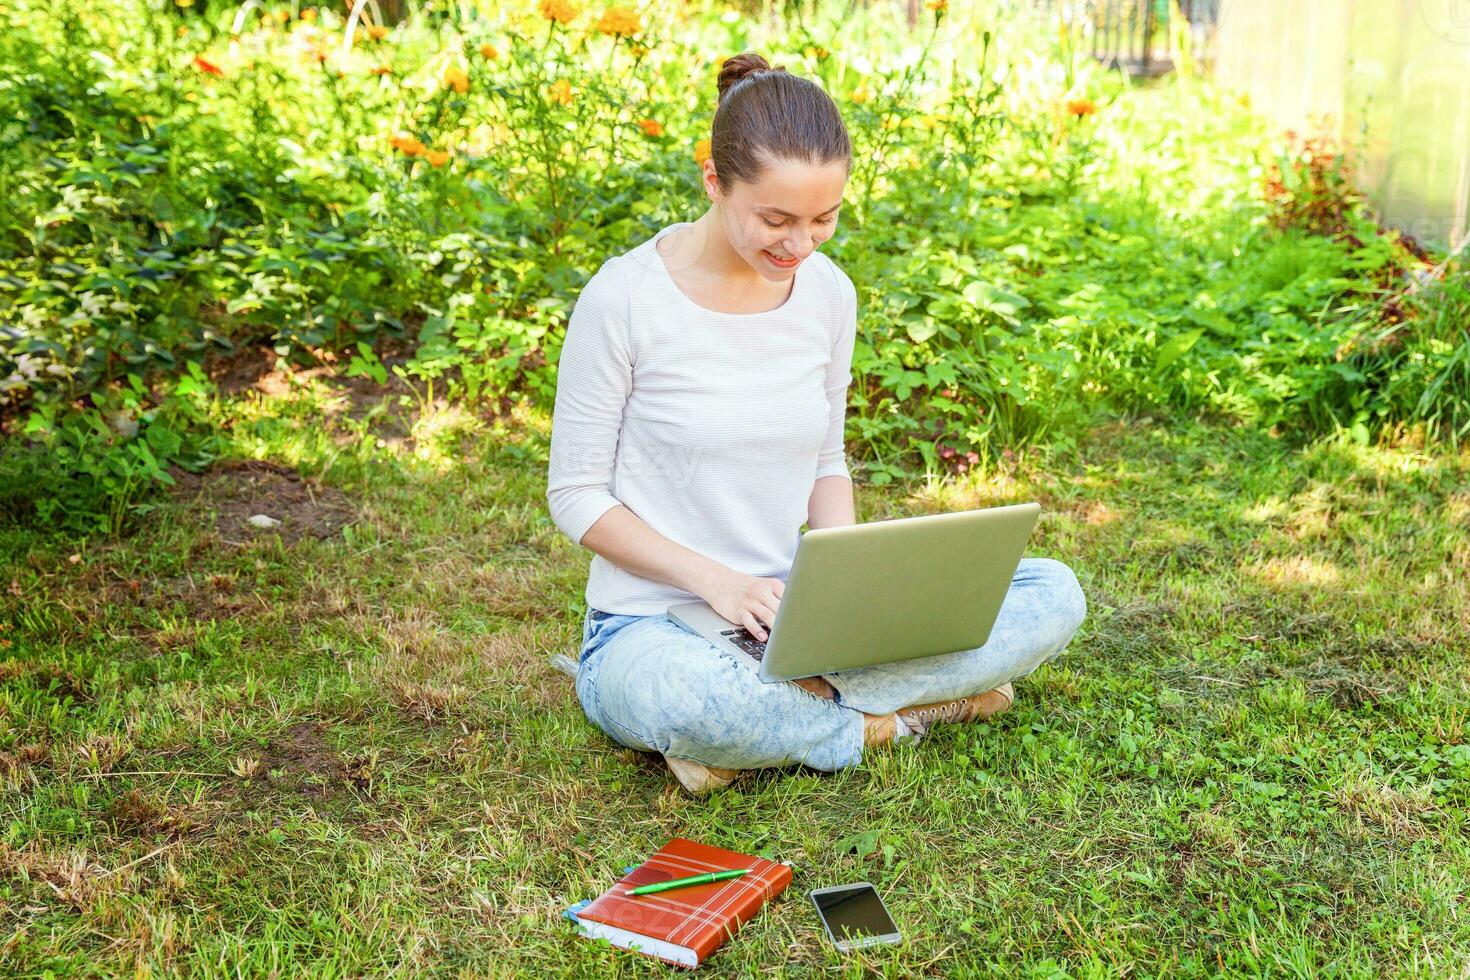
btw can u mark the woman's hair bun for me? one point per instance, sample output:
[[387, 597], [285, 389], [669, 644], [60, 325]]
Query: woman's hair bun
[[741, 65]]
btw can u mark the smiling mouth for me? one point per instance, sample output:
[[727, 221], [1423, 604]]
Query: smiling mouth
[[778, 259]]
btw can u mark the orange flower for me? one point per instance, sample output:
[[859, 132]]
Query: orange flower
[[381, 70], [651, 127], [561, 11], [408, 144], [701, 152], [309, 13], [377, 32], [453, 76], [207, 66], [437, 158], [488, 52], [1081, 107], [561, 91], [619, 20], [818, 52], [936, 5]]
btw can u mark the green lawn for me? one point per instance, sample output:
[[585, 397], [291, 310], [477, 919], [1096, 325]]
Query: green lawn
[[235, 751]]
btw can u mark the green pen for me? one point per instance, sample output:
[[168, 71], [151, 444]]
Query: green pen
[[663, 886]]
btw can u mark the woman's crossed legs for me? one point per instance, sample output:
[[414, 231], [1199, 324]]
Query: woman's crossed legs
[[651, 685]]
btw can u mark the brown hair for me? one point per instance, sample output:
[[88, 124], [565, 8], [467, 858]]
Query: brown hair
[[767, 112]]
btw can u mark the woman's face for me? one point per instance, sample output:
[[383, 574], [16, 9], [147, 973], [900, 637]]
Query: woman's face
[[786, 215]]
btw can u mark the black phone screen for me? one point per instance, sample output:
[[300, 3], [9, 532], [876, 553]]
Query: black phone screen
[[855, 912]]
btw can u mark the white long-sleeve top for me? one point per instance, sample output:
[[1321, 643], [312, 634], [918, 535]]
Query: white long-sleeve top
[[711, 427]]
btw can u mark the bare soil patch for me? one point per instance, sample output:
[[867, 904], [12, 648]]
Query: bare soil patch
[[242, 370], [238, 490], [301, 760]]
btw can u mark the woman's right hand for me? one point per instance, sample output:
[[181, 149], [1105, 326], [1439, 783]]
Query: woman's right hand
[[747, 600]]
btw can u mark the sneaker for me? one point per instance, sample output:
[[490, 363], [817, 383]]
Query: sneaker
[[972, 708], [698, 778]]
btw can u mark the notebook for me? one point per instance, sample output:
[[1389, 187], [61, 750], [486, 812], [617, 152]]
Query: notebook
[[683, 925]]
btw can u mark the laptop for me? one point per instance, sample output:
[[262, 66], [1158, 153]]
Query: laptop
[[881, 592]]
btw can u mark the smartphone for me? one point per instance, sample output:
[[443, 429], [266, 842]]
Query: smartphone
[[855, 916]]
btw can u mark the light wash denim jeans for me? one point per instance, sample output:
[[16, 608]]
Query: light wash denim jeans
[[651, 685]]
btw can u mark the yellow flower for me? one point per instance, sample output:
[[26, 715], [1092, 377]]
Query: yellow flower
[[308, 14], [651, 127], [437, 158], [561, 91], [619, 20], [701, 152], [818, 52], [488, 52], [453, 76], [561, 11], [936, 5], [861, 94], [639, 50], [377, 32], [184, 3]]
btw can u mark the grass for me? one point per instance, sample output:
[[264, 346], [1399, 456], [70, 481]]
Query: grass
[[230, 751]]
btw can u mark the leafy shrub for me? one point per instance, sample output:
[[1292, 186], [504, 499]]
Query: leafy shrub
[[1034, 241], [91, 471], [1310, 187]]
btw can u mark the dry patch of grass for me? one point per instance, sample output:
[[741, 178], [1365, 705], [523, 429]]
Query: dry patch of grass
[[1375, 807], [1296, 570]]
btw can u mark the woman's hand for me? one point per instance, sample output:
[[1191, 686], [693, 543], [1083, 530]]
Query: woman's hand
[[747, 600]]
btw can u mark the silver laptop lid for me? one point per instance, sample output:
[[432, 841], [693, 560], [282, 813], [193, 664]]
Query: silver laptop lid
[[895, 590]]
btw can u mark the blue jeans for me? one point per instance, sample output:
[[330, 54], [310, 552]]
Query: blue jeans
[[651, 685]]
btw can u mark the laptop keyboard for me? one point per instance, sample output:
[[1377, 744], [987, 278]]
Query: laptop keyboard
[[745, 640]]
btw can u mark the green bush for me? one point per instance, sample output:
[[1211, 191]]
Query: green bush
[[1034, 241]]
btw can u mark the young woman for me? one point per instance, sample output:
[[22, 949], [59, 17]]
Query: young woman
[[699, 422]]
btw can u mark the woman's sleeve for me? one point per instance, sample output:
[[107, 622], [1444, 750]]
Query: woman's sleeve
[[832, 459], [593, 379]]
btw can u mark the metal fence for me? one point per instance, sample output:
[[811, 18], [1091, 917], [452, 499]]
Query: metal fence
[[1140, 36]]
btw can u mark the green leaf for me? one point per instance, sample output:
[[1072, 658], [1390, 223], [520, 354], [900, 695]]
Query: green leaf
[[1176, 346], [1213, 319], [861, 844], [921, 329], [982, 295]]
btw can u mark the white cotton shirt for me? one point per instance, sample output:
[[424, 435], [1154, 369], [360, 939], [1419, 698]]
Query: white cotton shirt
[[711, 427]]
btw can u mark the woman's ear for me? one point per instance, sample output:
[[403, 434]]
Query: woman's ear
[[711, 181]]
